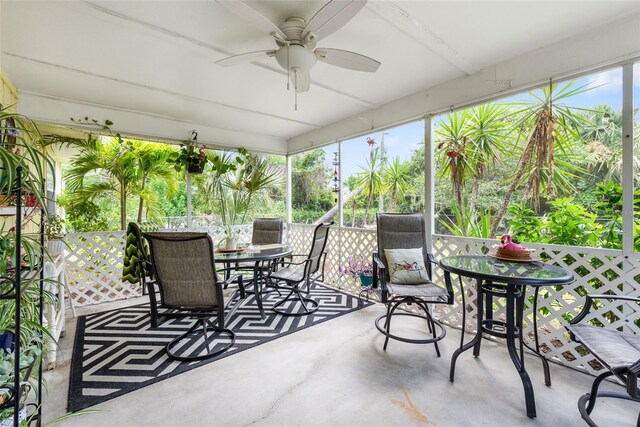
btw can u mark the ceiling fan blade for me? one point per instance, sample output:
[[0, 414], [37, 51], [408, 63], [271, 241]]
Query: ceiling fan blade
[[332, 17], [347, 59], [247, 12], [246, 57], [301, 80]]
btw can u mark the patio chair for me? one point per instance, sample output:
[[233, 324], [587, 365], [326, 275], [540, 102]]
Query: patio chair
[[184, 270], [403, 268], [293, 274], [265, 231], [617, 351]]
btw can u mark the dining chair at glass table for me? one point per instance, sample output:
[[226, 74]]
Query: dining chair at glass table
[[266, 231], [292, 275], [184, 273]]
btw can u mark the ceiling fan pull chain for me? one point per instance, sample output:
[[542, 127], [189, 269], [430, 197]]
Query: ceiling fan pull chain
[[295, 76]]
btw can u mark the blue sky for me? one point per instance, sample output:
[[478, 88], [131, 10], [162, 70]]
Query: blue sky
[[400, 140]]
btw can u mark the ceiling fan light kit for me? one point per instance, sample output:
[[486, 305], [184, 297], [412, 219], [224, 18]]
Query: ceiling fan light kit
[[296, 39]]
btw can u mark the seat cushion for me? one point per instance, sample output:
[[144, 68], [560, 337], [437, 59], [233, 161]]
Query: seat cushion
[[289, 274], [406, 266], [424, 290], [613, 348]]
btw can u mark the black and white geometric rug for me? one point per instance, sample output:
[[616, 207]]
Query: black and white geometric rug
[[116, 352]]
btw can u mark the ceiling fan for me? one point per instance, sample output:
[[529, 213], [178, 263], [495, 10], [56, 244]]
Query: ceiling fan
[[296, 39]]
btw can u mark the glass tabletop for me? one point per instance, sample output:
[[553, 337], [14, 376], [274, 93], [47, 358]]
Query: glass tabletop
[[520, 273], [254, 253]]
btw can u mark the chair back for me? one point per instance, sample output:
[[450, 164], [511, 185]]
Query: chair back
[[184, 268], [267, 230], [401, 231], [320, 236]]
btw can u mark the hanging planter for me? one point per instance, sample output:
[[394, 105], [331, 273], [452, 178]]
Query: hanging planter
[[191, 157], [196, 165]]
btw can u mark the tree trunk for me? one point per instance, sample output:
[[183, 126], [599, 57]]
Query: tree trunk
[[353, 213], [141, 201], [334, 210], [123, 207], [522, 166], [473, 199], [366, 209]]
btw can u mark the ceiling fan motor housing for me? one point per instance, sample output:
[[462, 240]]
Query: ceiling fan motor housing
[[300, 58]]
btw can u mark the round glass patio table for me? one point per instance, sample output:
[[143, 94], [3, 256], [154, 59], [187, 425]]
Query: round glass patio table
[[504, 279], [258, 254]]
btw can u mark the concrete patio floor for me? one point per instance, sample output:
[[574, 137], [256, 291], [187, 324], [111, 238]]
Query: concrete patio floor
[[336, 374]]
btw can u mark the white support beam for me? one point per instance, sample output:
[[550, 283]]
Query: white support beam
[[610, 44], [429, 181], [627, 160], [189, 208], [288, 202], [399, 18], [340, 195], [58, 111]]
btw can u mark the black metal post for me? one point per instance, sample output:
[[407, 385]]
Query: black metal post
[[41, 296], [18, 296]]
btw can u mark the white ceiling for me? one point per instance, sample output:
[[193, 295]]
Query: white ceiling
[[155, 60]]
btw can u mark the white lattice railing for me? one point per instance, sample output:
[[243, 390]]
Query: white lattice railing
[[94, 271]]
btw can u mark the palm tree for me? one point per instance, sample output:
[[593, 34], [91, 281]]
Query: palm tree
[[489, 129], [113, 163], [546, 158], [394, 181], [153, 163], [453, 137], [372, 178], [234, 183]]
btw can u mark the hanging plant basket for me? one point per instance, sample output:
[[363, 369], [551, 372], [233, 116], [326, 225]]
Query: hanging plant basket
[[196, 165]]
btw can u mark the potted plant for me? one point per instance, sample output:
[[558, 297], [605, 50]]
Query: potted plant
[[357, 267], [53, 229], [191, 157], [28, 358], [234, 183]]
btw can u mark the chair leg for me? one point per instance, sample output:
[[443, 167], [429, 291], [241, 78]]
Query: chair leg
[[432, 327], [308, 304], [154, 307], [202, 324], [388, 323], [594, 390]]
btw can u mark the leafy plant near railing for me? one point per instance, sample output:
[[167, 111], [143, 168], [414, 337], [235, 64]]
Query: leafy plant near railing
[[468, 222], [569, 223], [524, 224]]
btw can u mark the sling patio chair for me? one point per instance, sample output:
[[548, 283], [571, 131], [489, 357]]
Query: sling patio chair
[[266, 231], [183, 266], [294, 274], [617, 351], [403, 267]]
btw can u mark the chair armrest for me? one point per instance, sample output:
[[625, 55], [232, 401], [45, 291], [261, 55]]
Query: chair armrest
[[449, 286], [432, 259], [588, 302]]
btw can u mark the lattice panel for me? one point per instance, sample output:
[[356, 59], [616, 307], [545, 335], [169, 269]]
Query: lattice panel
[[596, 271], [343, 242], [94, 268]]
